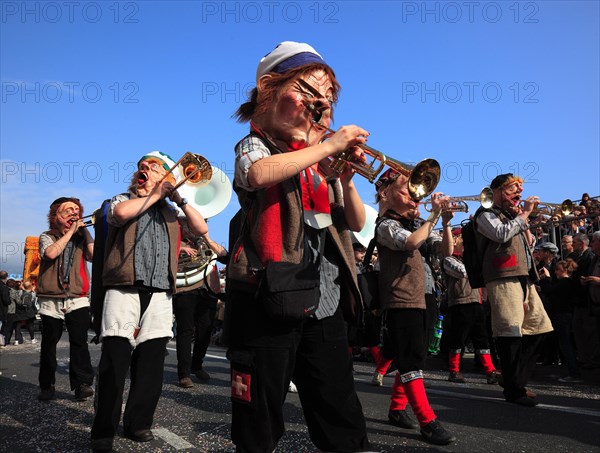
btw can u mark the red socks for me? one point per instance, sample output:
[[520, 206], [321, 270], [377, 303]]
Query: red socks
[[398, 398], [454, 361], [381, 363], [415, 392]]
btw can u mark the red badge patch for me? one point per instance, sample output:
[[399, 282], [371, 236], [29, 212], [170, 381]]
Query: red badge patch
[[504, 262], [240, 386]]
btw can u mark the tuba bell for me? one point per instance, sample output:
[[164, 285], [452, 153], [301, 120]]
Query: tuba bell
[[209, 200], [365, 235]]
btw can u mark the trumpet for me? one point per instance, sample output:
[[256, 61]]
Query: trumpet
[[422, 177], [193, 168], [459, 204], [565, 208], [542, 208]]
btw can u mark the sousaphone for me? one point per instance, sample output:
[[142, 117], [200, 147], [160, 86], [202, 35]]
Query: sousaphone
[[209, 200], [365, 235]]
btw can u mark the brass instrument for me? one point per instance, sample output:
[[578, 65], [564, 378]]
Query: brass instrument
[[193, 168], [422, 177], [209, 200], [365, 235], [91, 220], [459, 204], [565, 208], [192, 269]]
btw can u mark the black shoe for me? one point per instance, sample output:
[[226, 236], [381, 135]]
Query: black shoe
[[402, 420], [141, 435], [83, 392], [493, 377], [435, 433], [456, 377], [46, 394], [202, 375], [104, 444], [524, 401]]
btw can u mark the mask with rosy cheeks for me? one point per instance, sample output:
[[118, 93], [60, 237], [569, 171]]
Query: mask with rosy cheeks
[[510, 196], [289, 119], [148, 175], [396, 197], [67, 214]]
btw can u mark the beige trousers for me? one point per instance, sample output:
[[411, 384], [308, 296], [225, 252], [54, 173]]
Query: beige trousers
[[514, 313]]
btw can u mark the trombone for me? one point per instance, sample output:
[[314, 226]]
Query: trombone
[[193, 168], [459, 204], [91, 219], [422, 177]]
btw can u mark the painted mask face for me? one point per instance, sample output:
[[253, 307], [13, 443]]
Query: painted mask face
[[511, 195], [67, 214], [290, 120], [148, 175], [398, 198]]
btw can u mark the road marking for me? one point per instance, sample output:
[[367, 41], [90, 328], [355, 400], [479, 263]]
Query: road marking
[[552, 407], [179, 443]]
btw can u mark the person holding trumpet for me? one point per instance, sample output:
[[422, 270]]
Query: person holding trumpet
[[465, 307], [298, 216], [63, 289], [402, 297], [518, 317], [139, 276]]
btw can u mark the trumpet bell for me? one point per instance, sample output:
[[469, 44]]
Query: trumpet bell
[[212, 198], [365, 235], [486, 198], [423, 179]]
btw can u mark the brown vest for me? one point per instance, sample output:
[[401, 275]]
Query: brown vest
[[401, 278], [79, 277], [120, 248], [503, 260], [289, 202], [459, 291]]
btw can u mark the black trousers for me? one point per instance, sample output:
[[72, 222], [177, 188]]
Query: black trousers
[[146, 365], [314, 353], [468, 320], [404, 338], [194, 313], [517, 358], [80, 364]]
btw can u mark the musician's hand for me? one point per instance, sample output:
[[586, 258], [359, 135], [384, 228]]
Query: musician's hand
[[544, 273], [75, 226], [189, 251], [175, 197], [438, 199], [166, 189], [355, 154], [447, 217], [529, 204], [590, 280], [346, 137]]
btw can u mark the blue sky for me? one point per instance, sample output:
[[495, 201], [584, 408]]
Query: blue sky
[[483, 87]]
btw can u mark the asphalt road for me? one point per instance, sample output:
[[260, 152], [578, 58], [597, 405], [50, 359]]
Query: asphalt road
[[198, 419]]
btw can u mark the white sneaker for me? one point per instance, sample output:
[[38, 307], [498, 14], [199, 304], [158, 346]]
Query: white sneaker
[[377, 379], [34, 341], [571, 380], [292, 388], [15, 342]]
